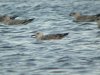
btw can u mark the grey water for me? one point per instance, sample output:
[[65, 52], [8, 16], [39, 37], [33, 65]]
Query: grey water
[[76, 54]]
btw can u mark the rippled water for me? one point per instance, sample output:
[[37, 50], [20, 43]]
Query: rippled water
[[76, 54]]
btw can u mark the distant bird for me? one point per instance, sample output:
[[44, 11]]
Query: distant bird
[[84, 18], [17, 22], [11, 20], [41, 36]]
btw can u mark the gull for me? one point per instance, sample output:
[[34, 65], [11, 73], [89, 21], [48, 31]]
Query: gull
[[12, 21], [84, 18], [41, 36]]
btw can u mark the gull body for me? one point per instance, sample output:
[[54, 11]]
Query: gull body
[[41, 36], [10, 20], [84, 18]]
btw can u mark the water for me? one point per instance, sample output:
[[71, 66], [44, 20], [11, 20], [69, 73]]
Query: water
[[76, 54]]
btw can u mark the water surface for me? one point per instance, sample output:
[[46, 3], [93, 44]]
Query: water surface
[[76, 54]]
